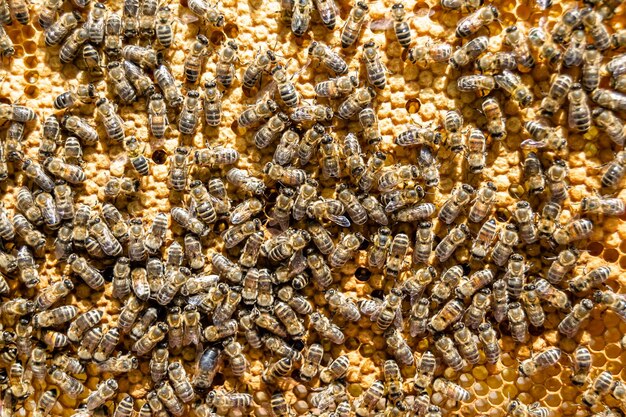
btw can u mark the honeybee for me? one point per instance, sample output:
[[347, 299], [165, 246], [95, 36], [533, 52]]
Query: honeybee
[[113, 123], [602, 205], [514, 87], [459, 198], [189, 116], [72, 387], [566, 24], [548, 50], [451, 355], [590, 78], [243, 180], [490, 63], [503, 249], [345, 249], [123, 88], [467, 345], [481, 84], [451, 390], [540, 361], [481, 303], [579, 116], [354, 22], [6, 44], [261, 63], [570, 324], [163, 26], [472, 23], [208, 12], [301, 16], [477, 155], [596, 28], [449, 314], [56, 32], [157, 115], [591, 279], [609, 99], [573, 55], [519, 409], [485, 199], [225, 67], [166, 82], [495, 120], [47, 13], [376, 70], [615, 171], [611, 124], [517, 322], [525, 219], [575, 230], [601, 385], [370, 397]]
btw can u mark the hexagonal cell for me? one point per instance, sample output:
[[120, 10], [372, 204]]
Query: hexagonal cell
[[31, 77], [28, 32], [231, 30], [31, 61], [30, 47], [610, 255], [217, 37], [413, 106]]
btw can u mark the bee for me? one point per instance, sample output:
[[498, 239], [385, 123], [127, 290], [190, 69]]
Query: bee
[[376, 70], [123, 87], [7, 48], [532, 305], [208, 12], [188, 118], [552, 295], [525, 219], [104, 391], [225, 68], [301, 16], [345, 249], [482, 84], [72, 44], [130, 18], [459, 198], [335, 370], [288, 176], [47, 13], [549, 219], [26, 204], [451, 242], [225, 267], [467, 345], [329, 157], [70, 386], [500, 300], [449, 314], [279, 369], [84, 94], [423, 242], [262, 109], [337, 87], [575, 230], [609, 99], [397, 252], [540, 361], [81, 128], [261, 63], [514, 276], [393, 381], [550, 51], [514, 87], [135, 154], [490, 62], [601, 205], [581, 359], [370, 397], [517, 322], [326, 329], [180, 382], [354, 22], [27, 267], [463, 5], [113, 35], [503, 249], [591, 279], [590, 78], [573, 55], [518, 409], [477, 155], [533, 172], [611, 124], [163, 26], [468, 286], [451, 390], [337, 301], [485, 198], [489, 340], [243, 180], [179, 169], [579, 116], [377, 253], [286, 88], [195, 57], [355, 102], [157, 115], [166, 82], [601, 385], [320, 270], [271, 130], [495, 121], [615, 171], [453, 122], [481, 302], [57, 31], [67, 172], [113, 123], [212, 104], [566, 24], [328, 57], [229, 400], [138, 78], [312, 359], [472, 23], [147, 18], [592, 21], [564, 263]]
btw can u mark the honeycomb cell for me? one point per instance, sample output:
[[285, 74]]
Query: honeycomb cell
[[413, 106], [610, 255], [159, 156], [31, 77], [595, 248]]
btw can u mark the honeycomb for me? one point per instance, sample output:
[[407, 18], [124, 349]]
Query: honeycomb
[[35, 76]]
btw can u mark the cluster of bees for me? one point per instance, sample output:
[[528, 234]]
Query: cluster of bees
[[289, 230]]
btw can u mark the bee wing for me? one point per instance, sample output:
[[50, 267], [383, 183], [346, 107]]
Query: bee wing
[[530, 143], [382, 24], [339, 220], [397, 321], [189, 18], [297, 263], [393, 205], [119, 163]]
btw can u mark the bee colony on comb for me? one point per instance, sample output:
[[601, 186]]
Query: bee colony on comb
[[312, 207]]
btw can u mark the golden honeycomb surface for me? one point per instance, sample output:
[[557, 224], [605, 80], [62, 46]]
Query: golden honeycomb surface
[[35, 76]]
